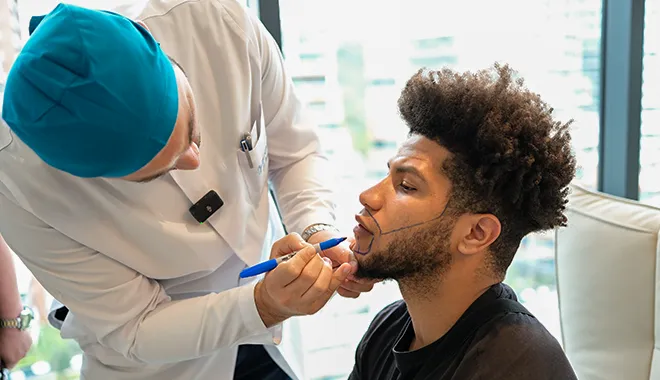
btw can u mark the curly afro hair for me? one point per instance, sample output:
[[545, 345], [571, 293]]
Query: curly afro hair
[[509, 156]]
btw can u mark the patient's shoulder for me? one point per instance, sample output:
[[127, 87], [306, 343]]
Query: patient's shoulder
[[521, 346], [518, 327], [394, 314], [394, 311], [386, 325]]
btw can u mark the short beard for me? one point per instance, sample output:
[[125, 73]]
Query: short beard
[[416, 259]]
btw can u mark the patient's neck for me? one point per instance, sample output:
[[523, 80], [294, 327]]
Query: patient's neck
[[435, 304]]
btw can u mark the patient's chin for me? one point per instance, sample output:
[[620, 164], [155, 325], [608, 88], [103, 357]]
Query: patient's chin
[[365, 269], [368, 274], [379, 265], [416, 257], [361, 263]]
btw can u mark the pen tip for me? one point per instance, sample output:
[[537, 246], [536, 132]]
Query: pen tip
[[331, 243]]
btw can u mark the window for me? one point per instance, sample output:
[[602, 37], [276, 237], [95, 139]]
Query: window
[[8, 37], [366, 54], [649, 161]]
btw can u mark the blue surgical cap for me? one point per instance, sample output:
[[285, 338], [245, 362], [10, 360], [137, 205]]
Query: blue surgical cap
[[91, 93]]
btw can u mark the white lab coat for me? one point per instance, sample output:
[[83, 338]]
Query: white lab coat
[[152, 293]]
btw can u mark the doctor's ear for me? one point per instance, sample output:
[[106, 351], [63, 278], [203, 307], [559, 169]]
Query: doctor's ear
[[142, 24]]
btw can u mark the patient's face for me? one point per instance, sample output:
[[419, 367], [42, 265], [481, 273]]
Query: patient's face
[[402, 230]]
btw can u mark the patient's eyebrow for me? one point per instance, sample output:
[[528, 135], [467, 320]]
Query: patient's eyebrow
[[408, 169]]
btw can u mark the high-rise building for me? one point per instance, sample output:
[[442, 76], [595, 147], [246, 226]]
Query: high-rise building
[[649, 160]]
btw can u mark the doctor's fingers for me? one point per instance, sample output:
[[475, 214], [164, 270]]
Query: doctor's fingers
[[292, 269], [307, 277], [353, 289], [320, 286], [288, 244], [337, 278], [341, 254]]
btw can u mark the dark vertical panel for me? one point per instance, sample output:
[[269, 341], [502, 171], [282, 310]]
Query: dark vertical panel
[[621, 94], [269, 13]]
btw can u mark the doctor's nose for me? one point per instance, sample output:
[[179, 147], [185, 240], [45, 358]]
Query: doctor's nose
[[190, 160]]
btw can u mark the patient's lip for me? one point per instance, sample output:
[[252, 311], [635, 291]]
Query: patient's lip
[[361, 228]]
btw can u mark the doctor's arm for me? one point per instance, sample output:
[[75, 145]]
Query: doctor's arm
[[14, 344], [125, 310], [10, 300], [131, 313]]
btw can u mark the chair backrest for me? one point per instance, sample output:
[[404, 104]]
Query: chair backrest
[[607, 265]]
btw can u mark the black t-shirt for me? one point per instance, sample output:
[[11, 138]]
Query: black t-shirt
[[509, 346]]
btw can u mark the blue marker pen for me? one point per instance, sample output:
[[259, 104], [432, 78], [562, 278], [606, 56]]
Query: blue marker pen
[[272, 263]]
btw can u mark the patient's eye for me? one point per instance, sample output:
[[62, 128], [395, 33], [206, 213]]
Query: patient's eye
[[406, 187]]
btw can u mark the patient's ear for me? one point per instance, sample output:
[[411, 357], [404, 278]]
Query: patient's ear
[[478, 232]]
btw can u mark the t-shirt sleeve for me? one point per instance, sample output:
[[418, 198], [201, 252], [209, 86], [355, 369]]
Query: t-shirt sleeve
[[515, 347]]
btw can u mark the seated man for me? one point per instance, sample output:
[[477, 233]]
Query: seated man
[[485, 164]]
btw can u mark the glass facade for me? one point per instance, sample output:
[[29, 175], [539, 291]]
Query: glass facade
[[10, 37], [649, 157]]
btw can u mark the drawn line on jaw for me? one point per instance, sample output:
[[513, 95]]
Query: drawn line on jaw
[[381, 233], [357, 247]]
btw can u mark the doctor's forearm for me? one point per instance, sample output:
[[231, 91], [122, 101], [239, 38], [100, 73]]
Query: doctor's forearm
[[196, 327], [10, 301]]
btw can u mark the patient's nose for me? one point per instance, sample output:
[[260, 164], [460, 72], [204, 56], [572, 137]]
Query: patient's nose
[[372, 198]]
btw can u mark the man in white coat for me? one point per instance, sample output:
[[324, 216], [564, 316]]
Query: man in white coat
[[102, 159]]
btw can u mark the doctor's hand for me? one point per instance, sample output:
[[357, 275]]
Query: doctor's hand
[[14, 345], [352, 287], [301, 285]]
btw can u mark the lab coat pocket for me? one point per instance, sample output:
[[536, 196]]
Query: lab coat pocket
[[254, 162]]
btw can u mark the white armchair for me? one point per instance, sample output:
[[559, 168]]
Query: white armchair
[[607, 279]]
